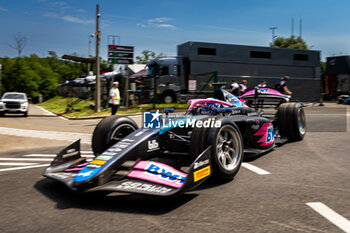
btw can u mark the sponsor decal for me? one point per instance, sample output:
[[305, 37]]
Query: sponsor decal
[[98, 162], [93, 166], [137, 186], [158, 173], [77, 167], [152, 145], [152, 120], [200, 163], [108, 153], [263, 90], [86, 174], [114, 149], [118, 147], [105, 156], [202, 173], [122, 145], [128, 140], [255, 127], [268, 134], [252, 114]]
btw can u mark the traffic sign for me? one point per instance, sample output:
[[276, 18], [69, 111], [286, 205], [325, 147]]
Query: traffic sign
[[120, 48], [118, 54], [120, 61]]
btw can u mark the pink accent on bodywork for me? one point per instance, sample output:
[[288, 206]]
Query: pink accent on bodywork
[[268, 91], [264, 131], [77, 168], [196, 102], [145, 174]]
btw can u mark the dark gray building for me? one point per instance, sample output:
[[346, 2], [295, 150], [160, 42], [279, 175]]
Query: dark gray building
[[254, 63]]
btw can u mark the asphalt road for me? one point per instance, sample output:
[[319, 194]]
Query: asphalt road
[[300, 181]]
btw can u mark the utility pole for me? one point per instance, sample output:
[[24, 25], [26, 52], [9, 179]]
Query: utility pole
[[300, 28], [292, 27], [98, 78]]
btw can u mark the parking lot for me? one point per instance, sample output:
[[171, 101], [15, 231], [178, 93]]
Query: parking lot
[[298, 187]]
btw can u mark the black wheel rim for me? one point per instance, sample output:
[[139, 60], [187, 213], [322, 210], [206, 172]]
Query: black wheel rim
[[120, 132]]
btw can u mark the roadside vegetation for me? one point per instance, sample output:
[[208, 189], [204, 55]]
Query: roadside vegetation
[[59, 106], [37, 76]]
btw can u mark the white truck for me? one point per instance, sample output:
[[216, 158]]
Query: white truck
[[14, 102]]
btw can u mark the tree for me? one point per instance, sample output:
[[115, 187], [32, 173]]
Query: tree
[[291, 42], [20, 43], [145, 57], [22, 78]]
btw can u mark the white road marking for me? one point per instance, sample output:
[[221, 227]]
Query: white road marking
[[40, 155], [48, 112], [16, 164], [53, 135], [86, 152], [330, 215], [51, 113], [53, 155], [255, 169], [26, 167], [25, 159]]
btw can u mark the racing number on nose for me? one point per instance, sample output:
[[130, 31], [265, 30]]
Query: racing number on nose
[[270, 134]]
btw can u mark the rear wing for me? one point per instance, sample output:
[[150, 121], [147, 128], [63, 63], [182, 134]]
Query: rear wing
[[260, 98]]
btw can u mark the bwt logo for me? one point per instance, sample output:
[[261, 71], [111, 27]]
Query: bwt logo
[[165, 174], [264, 90], [152, 120]]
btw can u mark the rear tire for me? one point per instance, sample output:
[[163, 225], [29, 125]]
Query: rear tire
[[291, 121], [168, 97], [2, 114], [109, 131], [227, 148]]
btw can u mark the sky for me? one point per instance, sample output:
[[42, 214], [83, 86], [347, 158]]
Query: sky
[[160, 25]]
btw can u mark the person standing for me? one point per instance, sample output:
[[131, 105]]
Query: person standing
[[235, 88], [262, 84], [283, 86], [243, 86], [114, 97]]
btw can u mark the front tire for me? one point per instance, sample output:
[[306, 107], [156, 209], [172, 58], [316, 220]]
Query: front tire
[[227, 148], [111, 130]]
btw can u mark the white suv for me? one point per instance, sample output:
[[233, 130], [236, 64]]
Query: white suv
[[14, 102]]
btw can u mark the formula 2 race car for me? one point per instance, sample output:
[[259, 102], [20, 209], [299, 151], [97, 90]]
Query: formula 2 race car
[[177, 154]]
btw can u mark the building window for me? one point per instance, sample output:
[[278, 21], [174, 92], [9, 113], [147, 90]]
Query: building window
[[259, 54], [301, 57], [207, 51]]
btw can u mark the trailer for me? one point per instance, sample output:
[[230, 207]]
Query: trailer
[[188, 73]]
